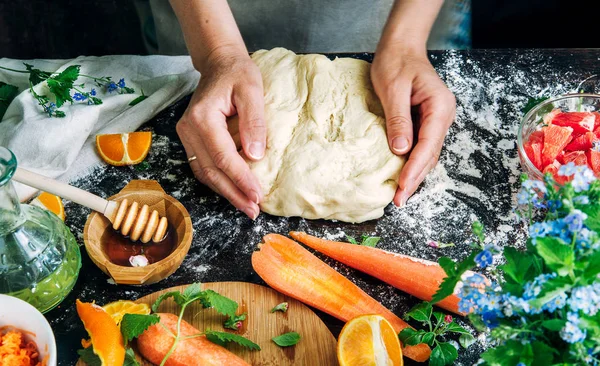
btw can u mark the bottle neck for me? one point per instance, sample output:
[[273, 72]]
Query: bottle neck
[[10, 208]]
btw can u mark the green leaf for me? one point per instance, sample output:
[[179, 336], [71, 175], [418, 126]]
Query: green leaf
[[443, 354], [370, 241], [176, 295], [283, 307], [225, 337], [439, 317], [130, 359], [137, 100], [428, 338], [411, 336], [287, 339], [532, 102], [232, 321], [36, 76], [592, 269], [88, 356], [550, 289], [213, 338], [220, 303], [59, 114], [143, 166], [542, 354], [593, 217], [420, 312], [7, 94], [557, 256], [192, 291], [466, 340], [60, 85], [477, 228], [508, 353], [351, 239], [454, 272], [517, 269], [455, 328], [554, 325], [133, 325], [477, 322]]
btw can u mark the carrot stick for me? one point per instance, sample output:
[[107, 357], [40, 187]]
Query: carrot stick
[[417, 277], [294, 271]]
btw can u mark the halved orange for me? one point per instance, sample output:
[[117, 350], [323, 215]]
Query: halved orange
[[124, 148], [118, 309], [51, 203], [369, 340], [104, 333]]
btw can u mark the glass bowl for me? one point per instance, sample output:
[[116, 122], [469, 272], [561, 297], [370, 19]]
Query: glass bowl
[[534, 120]]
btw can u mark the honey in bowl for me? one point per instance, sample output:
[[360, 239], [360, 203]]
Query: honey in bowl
[[119, 248]]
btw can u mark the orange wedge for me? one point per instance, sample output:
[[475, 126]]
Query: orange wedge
[[369, 340], [104, 333], [124, 148], [119, 308], [51, 203]]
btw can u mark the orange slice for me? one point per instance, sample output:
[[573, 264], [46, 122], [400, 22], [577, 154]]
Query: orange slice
[[369, 340], [119, 308], [124, 148], [51, 203], [104, 333]]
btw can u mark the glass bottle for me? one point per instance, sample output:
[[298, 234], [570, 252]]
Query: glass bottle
[[39, 257]]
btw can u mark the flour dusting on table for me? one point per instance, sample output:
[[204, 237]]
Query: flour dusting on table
[[476, 179]]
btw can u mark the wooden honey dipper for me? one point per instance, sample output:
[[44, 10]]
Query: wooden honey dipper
[[128, 218]]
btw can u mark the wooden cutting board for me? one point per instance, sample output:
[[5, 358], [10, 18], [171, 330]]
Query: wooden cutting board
[[316, 347]]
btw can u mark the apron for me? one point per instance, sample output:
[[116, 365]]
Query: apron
[[306, 26]]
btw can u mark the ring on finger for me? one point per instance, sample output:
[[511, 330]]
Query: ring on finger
[[192, 158]]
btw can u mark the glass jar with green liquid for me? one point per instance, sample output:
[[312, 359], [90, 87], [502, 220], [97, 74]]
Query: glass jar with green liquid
[[39, 257]]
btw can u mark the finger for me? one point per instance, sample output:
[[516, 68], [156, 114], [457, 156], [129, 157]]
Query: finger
[[403, 194], [208, 174], [221, 149], [250, 105], [234, 131], [396, 106]]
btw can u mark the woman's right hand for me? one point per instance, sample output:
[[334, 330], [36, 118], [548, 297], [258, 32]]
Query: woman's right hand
[[230, 84]]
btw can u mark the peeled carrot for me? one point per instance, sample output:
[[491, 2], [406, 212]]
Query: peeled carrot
[[292, 270], [415, 276]]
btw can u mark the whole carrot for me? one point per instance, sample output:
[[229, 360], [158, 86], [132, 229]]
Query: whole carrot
[[414, 276], [294, 271]]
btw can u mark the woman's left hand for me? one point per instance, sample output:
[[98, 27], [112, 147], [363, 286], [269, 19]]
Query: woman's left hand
[[404, 78]]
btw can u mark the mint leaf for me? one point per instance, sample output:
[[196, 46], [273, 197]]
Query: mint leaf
[[283, 307], [176, 295], [287, 339], [7, 94], [454, 271], [234, 322], [466, 340], [554, 325], [411, 336], [61, 84], [216, 340], [420, 312], [36, 76], [137, 100], [455, 328], [88, 356], [557, 256], [193, 291], [130, 359], [443, 354], [133, 325], [220, 303], [370, 241], [225, 337]]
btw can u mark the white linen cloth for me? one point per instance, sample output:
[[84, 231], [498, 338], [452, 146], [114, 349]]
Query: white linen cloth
[[64, 148]]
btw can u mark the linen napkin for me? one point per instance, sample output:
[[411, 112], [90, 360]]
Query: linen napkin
[[64, 148]]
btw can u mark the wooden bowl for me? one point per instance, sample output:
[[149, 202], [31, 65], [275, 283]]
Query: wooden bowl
[[144, 192]]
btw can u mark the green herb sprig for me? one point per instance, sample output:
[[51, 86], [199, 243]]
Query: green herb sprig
[[368, 241]]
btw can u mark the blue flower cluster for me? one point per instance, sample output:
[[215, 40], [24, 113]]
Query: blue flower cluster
[[84, 96], [112, 86], [571, 332], [532, 191], [582, 176], [566, 228]]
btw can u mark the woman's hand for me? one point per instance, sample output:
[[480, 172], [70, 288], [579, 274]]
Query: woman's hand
[[230, 83], [403, 78]]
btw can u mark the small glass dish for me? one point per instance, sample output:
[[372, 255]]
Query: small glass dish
[[534, 120]]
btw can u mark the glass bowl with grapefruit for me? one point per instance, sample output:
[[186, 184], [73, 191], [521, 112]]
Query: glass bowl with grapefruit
[[558, 131]]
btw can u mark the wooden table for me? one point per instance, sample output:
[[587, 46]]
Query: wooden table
[[477, 178]]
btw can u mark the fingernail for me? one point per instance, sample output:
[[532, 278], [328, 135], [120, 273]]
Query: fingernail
[[400, 144], [256, 150], [251, 212], [255, 197], [403, 198]]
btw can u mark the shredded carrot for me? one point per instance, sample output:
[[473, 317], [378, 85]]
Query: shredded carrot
[[15, 350]]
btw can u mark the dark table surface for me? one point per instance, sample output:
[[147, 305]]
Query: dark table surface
[[476, 179]]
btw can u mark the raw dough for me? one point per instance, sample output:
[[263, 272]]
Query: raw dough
[[327, 152]]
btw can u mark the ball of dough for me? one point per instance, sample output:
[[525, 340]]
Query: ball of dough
[[327, 153]]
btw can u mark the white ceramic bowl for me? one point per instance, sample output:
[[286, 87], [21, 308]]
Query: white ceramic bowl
[[19, 314]]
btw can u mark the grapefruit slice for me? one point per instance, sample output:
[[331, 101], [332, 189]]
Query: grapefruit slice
[[593, 158], [555, 140], [582, 142], [580, 122], [534, 153], [577, 157]]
